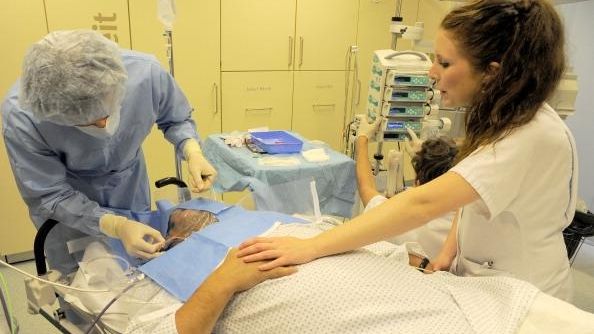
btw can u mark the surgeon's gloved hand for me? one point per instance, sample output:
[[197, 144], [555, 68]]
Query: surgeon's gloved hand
[[369, 130], [412, 145], [202, 173], [139, 240]]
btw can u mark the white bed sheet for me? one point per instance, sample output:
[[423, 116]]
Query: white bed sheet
[[362, 296]]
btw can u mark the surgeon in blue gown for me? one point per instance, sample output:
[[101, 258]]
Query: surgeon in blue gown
[[73, 126]]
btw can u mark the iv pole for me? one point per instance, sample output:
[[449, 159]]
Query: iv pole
[[166, 14], [397, 29]]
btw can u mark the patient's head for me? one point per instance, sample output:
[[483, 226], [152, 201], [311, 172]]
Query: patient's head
[[435, 158], [183, 222]]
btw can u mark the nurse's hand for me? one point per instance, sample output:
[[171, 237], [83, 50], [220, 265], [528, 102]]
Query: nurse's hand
[[369, 130], [202, 173], [280, 252], [139, 240], [412, 145]]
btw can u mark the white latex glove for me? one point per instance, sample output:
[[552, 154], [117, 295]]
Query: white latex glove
[[412, 145], [139, 240], [202, 174], [369, 130]]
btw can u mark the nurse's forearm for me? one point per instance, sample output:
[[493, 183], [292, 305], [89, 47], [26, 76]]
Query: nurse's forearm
[[365, 179], [391, 218], [401, 213]]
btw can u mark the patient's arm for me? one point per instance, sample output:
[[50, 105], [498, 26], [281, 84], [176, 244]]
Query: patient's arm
[[200, 313], [448, 252], [415, 261], [183, 222]]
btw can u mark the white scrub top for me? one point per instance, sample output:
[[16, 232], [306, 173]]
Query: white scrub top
[[527, 183], [430, 236]]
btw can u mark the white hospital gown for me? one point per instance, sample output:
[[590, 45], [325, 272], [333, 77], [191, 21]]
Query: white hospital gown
[[361, 292], [426, 240]]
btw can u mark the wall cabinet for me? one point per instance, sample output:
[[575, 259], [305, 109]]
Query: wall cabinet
[[261, 35], [255, 99], [241, 63], [23, 22], [257, 34], [325, 30], [109, 17], [318, 106], [288, 37], [196, 44]]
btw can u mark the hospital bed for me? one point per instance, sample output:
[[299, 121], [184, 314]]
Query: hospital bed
[[557, 315]]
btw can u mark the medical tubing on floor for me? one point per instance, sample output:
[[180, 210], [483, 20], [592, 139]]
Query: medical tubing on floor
[[6, 305], [49, 282], [109, 304]]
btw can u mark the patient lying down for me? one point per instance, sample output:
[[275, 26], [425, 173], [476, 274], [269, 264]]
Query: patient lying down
[[371, 290]]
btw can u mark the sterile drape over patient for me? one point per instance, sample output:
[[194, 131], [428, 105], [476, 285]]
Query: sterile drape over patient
[[216, 226]]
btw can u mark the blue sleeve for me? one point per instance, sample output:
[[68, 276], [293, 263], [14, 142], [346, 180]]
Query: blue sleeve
[[175, 113], [41, 177]]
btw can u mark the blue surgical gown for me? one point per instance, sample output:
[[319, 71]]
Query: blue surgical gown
[[74, 178]]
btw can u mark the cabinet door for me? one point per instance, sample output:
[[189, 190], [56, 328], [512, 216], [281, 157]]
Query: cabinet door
[[197, 43], [318, 106], [257, 34], [196, 50], [256, 99], [373, 34], [325, 31], [196, 64], [109, 17], [23, 23]]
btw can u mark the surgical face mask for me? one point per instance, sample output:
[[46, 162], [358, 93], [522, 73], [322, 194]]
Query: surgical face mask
[[111, 126]]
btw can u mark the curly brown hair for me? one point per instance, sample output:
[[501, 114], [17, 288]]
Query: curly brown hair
[[526, 38], [436, 157]]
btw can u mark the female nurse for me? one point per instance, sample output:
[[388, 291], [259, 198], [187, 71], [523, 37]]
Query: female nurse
[[516, 173]]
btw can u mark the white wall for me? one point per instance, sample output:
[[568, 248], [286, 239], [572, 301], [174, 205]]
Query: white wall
[[579, 26]]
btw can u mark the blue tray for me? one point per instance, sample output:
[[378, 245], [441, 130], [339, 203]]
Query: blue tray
[[276, 142]]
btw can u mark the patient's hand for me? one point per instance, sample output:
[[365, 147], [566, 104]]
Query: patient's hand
[[282, 251], [415, 262], [239, 276]]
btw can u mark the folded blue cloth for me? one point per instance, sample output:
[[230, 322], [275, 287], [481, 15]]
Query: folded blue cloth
[[183, 268]]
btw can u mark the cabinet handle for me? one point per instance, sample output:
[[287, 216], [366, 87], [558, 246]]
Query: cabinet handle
[[324, 105], [300, 51], [290, 50], [269, 109], [216, 89], [358, 92]]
